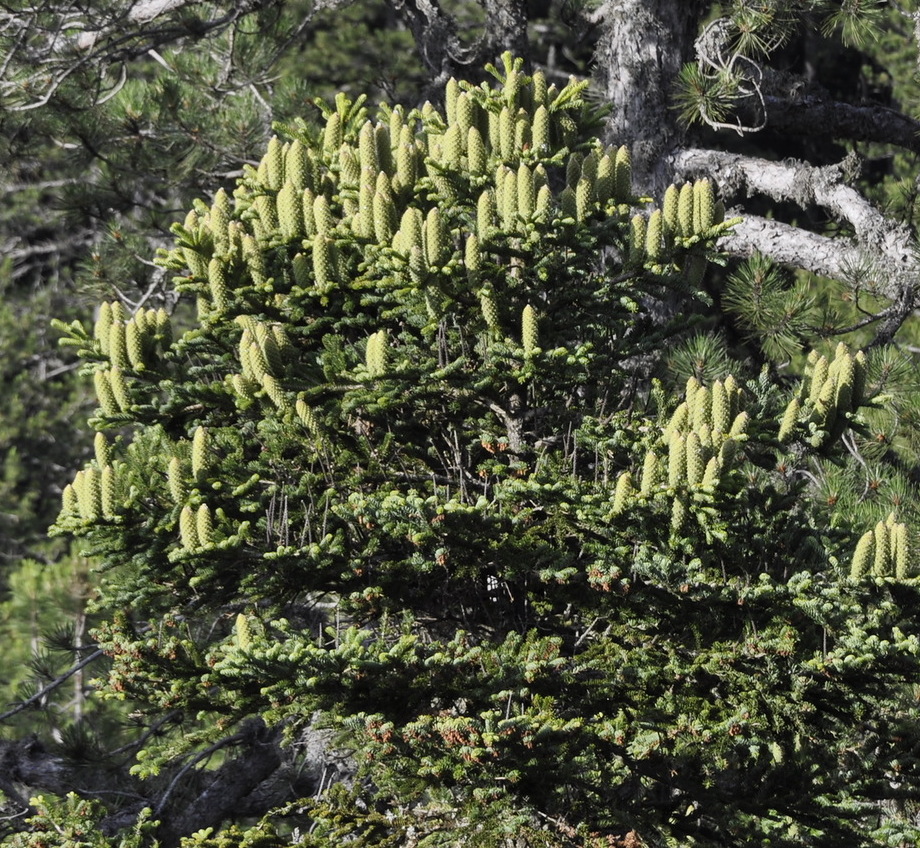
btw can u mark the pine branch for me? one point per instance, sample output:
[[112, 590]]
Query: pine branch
[[825, 257], [104, 44], [39, 696], [895, 315], [885, 245]]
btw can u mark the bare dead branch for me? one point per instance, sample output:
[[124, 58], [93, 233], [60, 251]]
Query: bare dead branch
[[880, 246], [818, 117], [874, 235], [791, 246]]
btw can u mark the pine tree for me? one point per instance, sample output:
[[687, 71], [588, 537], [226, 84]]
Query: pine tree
[[429, 497]]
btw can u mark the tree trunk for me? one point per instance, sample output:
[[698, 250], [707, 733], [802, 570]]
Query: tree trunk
[[642, 47]]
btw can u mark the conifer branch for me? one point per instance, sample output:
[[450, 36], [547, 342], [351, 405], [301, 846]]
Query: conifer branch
[[105, 42], [827, 257], [43, 693]]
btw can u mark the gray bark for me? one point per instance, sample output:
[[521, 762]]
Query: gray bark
[[819, 117], [792, 246], [435, 34], [889, 247], [643, 45], [443, 52]]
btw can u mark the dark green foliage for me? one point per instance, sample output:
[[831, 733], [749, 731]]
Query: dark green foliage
[[769, 306], [359, 49], [75, 821], [92, 177], [385, 483]]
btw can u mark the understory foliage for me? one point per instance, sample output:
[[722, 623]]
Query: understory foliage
[[408, 477]]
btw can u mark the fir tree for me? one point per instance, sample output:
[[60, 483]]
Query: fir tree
[[421, 491], [727, 560]]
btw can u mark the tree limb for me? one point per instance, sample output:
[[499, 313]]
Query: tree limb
[[140, 13], [792, 246], [103, 43], [229, 786], [43, 693], [888, 243], [816, 116], [881, 250], [208, 799]]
